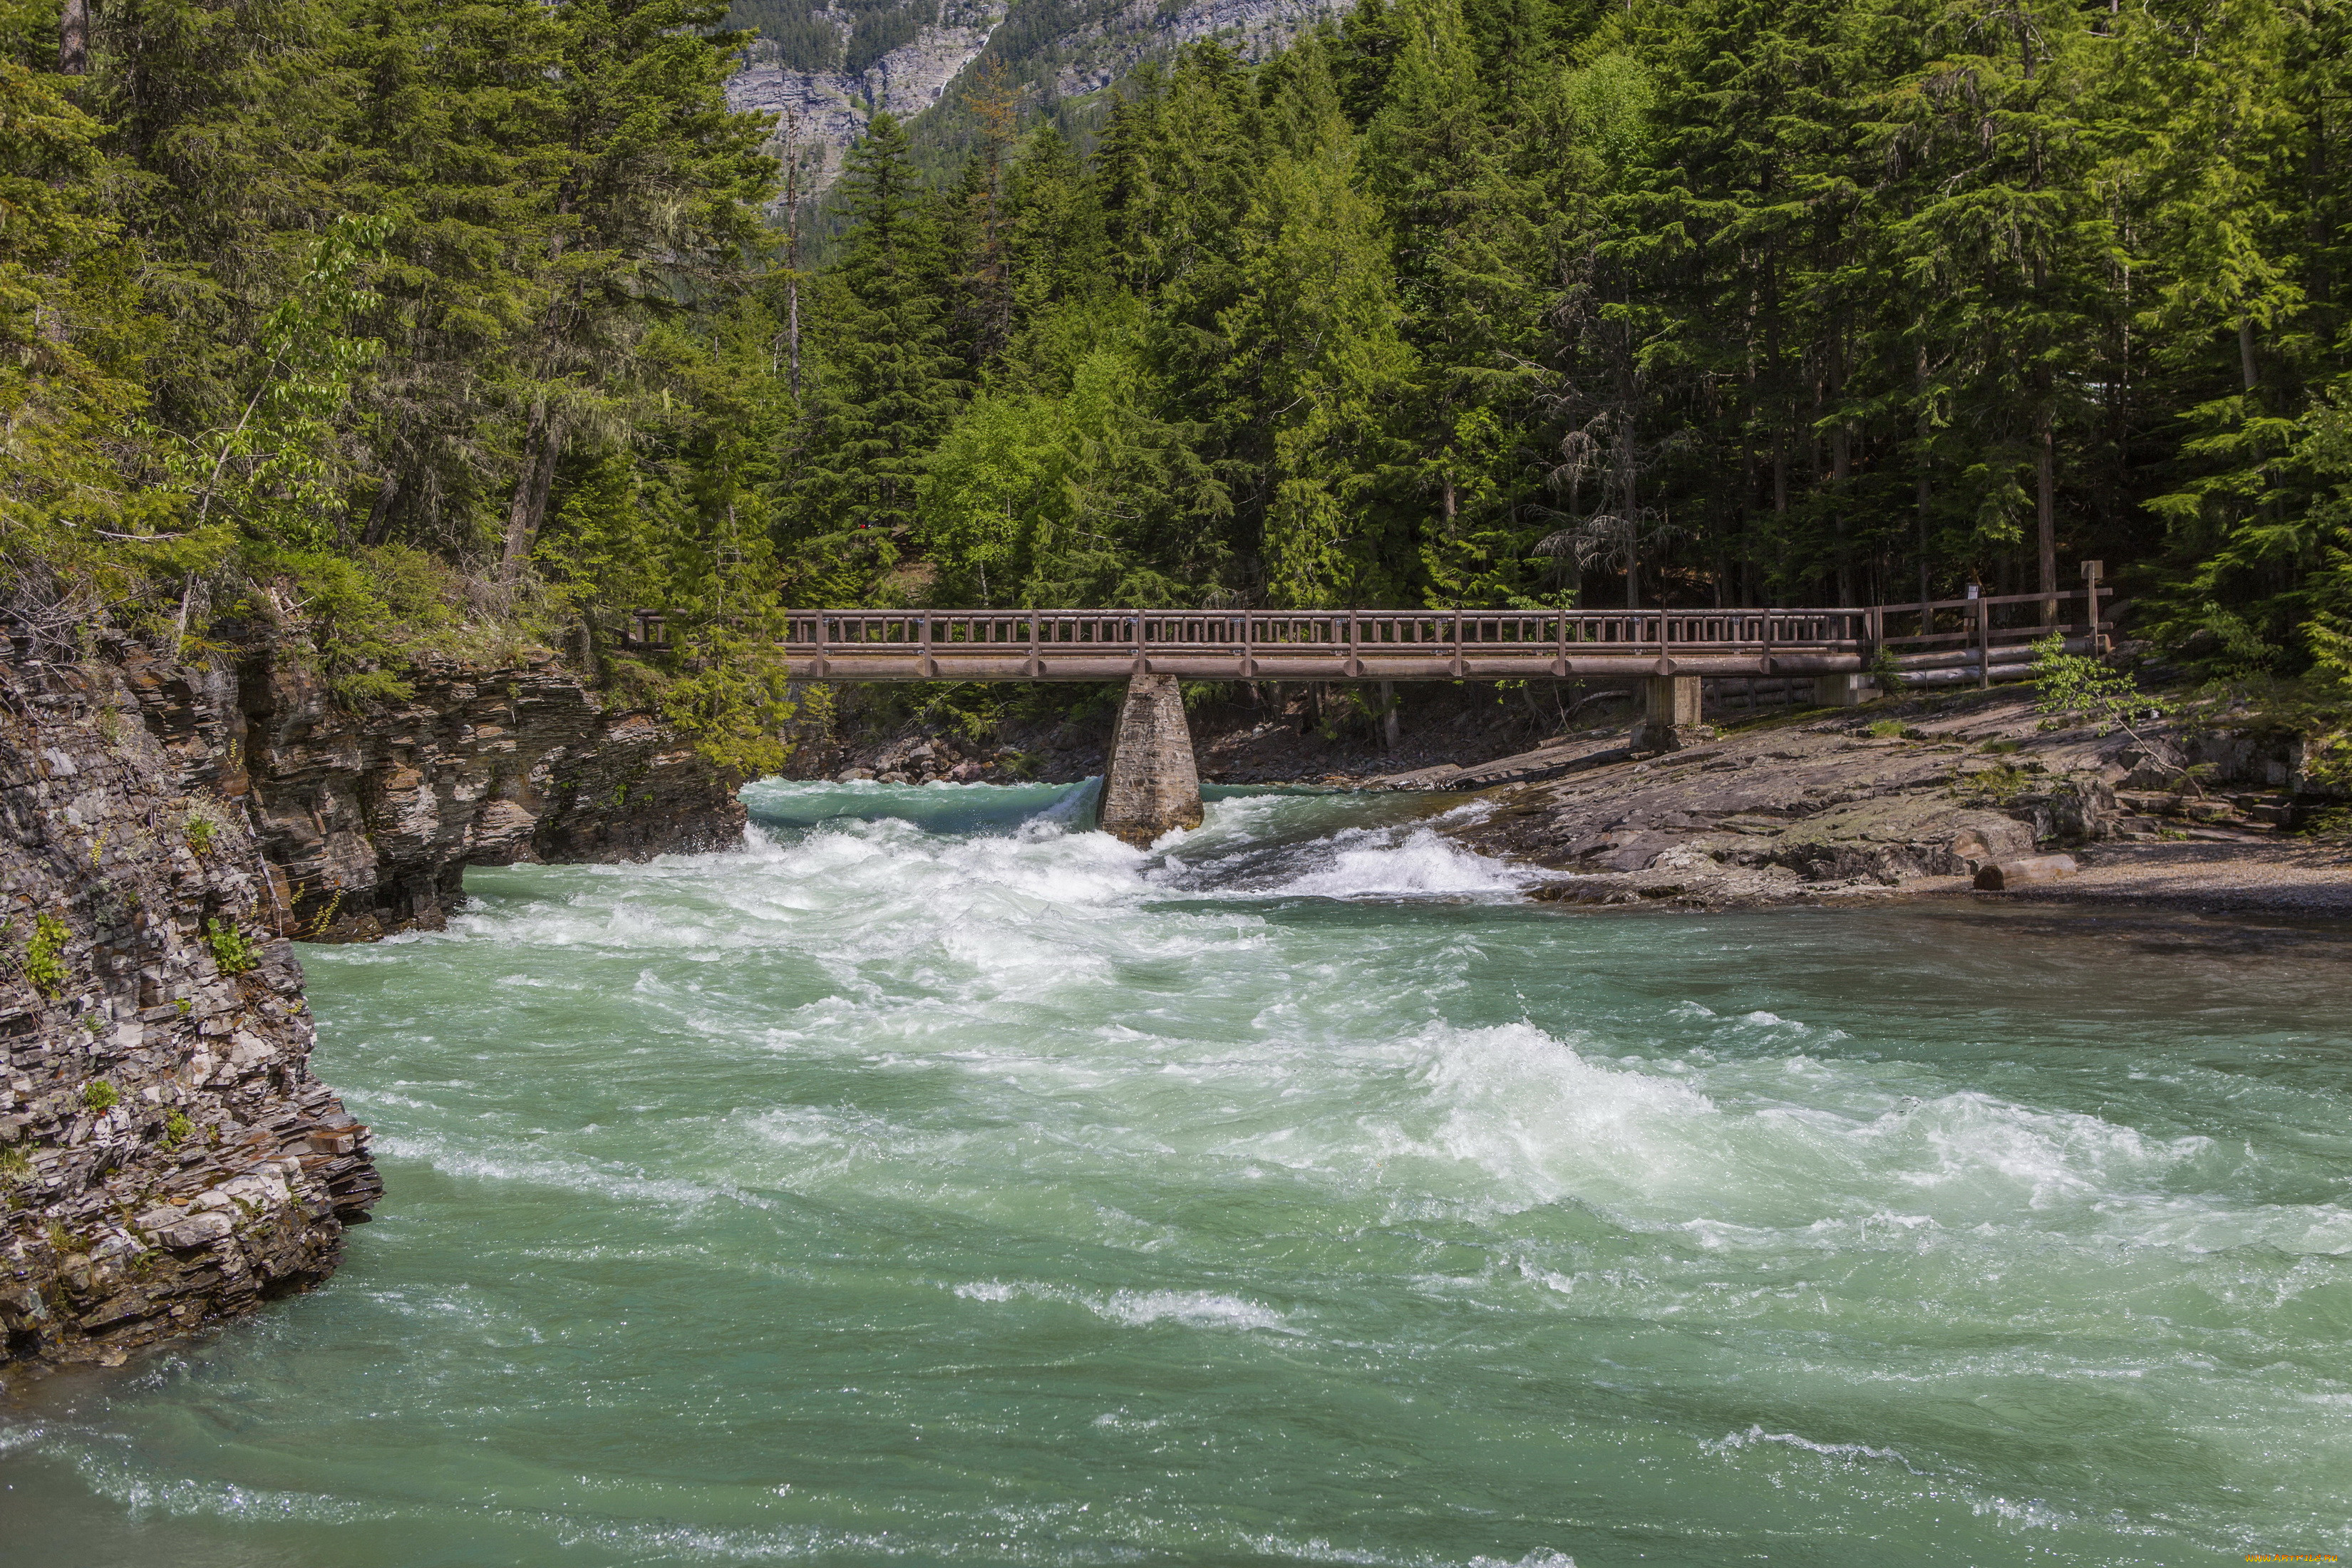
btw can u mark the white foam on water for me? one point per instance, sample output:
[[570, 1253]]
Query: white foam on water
[[1138, 1308], [1369, 863]]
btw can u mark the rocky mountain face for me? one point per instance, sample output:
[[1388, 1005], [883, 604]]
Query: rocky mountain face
[[167, 1159], [823, 96]]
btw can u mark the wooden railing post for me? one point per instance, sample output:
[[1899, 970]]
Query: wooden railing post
[[2092, 572], [1984, 638]]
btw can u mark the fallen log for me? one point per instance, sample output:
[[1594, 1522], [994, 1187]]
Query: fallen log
[[2004, 875]]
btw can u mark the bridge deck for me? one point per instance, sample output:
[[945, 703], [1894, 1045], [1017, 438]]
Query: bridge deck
[[1396, 644]]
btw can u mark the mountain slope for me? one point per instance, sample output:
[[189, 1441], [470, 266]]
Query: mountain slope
[[823, 71]]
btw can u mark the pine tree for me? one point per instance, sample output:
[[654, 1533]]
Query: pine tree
[[887, 389], [1465, 257]]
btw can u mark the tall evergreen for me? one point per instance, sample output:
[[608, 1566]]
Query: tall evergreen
[[887, 387]]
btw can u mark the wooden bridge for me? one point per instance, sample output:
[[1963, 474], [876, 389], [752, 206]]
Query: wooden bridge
[[1980, 635], [1150, 777]]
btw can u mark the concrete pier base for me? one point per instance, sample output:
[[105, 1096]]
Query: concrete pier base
[[1150, 782], [1670, 715], [1843, 690]]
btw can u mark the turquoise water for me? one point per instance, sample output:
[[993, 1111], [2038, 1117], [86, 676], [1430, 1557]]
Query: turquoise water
[[933, 1182]]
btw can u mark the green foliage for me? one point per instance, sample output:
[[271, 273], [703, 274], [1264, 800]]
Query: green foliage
[[177, 1129], [2074, 686], [1885, 728], [16, 1165], [45, 964], [1889, 674], [99, 1097], [388, 329], [233, 951]]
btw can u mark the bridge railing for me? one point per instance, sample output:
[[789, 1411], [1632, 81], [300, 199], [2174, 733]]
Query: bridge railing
[[1921, 631], [1370, 631]]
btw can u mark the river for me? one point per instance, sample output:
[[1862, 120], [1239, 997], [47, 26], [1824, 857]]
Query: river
[[934, 1182]]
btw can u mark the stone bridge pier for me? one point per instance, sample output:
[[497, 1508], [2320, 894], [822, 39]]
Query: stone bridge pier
[[1151, 781]]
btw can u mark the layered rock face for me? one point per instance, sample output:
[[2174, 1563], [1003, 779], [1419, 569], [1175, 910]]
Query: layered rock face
[[371, 819], [166, 1158]]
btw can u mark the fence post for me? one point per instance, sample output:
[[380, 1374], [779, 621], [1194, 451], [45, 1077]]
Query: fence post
[[1984, 638], [2092, 572]]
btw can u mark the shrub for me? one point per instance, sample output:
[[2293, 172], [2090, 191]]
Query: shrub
[[1886, 729], [232, 950], [2071, 686], [177, 1129], [200, 835], [100, 1095], [44, 963], [1889, 674]]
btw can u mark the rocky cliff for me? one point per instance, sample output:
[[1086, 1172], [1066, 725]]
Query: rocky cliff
[[823, 109], [370, 819], [166, 1158]]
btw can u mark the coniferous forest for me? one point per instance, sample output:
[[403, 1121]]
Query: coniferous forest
[[414, 324]]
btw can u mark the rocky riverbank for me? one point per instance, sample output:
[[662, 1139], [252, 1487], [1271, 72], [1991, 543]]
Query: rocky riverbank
[[167, 1160], [1912, 797], [372, 819]]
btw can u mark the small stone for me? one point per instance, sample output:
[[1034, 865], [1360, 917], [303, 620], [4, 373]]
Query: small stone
[[197, 1230]]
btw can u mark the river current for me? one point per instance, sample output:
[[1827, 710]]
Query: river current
[[934, 1181]]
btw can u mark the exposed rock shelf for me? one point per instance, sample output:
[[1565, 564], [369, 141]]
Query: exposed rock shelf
[[1823, 806]]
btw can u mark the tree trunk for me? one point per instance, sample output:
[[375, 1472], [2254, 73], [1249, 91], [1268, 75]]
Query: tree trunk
[[379, 515], [2246, 351], [73, 39], [1922, 539], [2045, 507], [793, 332], [530, 506]]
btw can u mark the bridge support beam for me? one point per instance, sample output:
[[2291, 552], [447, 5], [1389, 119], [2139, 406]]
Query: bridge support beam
[[1670, 715], [1151, 781]]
